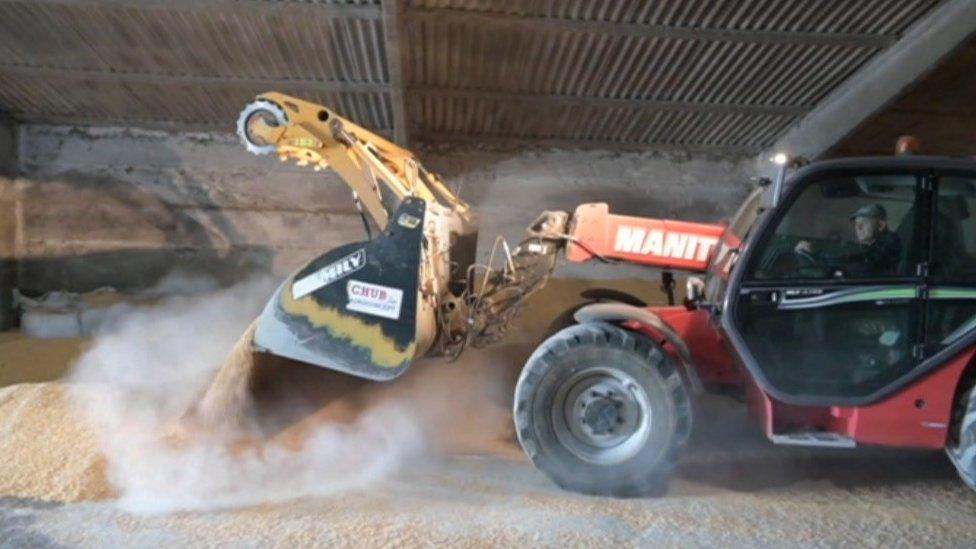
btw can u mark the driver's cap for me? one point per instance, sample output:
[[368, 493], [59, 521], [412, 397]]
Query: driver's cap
[[874, 211]]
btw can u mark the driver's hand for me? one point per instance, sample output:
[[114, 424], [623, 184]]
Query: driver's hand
[[804, 246]]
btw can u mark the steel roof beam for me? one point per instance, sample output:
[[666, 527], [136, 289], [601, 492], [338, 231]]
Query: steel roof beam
[[30, 117], [393, 34], [543, 100], [98, 75], [514, 142], [350, 11], [536, 23]]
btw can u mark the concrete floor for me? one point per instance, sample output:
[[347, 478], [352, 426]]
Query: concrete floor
[[733, 489]]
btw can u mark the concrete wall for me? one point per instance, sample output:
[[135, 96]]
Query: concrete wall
[[8, 163], [122, 207]]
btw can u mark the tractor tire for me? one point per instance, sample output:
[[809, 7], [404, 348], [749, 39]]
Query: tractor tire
[[962, 451], [602, 411]]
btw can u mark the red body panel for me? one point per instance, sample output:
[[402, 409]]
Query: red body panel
[[650, 242], [918, 416], [713, 363]]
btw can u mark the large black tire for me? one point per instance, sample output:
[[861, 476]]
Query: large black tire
[[602, 411], [962, 450]]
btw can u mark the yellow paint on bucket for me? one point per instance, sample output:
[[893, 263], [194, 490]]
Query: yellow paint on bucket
[[384, 352]]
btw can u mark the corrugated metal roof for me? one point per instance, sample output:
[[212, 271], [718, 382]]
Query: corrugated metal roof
[[178, 105], [821, 16], [727, 74], [723, 75], [188, 64]]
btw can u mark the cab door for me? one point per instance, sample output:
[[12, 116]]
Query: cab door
[[950, 316], [827, 313]]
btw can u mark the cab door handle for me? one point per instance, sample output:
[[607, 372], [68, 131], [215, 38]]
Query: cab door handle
[[765, 297]]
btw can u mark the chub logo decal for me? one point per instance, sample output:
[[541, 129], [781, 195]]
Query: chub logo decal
[[374, 299]]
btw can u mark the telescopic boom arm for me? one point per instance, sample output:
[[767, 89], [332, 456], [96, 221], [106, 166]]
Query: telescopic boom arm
[[380, 173]]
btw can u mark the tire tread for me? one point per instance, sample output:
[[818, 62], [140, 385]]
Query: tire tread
[[963, 454], [605, 335]]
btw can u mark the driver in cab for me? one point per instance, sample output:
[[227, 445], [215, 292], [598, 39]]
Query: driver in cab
[[876, 251]]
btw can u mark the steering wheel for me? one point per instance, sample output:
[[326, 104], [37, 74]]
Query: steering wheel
[[807, 259]]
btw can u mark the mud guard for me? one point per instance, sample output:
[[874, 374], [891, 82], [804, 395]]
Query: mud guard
[[592, 296], [353, 309], [620, 312]]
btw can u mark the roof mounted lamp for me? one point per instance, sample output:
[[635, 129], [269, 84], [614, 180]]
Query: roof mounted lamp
[[907, 144]]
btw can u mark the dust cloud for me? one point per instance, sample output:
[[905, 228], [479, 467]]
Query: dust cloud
[[273, 430]]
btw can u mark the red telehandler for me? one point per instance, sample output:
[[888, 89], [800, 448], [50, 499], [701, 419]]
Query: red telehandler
[[841, 303]]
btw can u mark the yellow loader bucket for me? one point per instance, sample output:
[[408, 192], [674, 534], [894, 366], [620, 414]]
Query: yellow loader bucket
[[355, 309]]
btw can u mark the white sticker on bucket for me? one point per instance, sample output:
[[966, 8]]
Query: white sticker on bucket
[[329, 274], [374, 299]]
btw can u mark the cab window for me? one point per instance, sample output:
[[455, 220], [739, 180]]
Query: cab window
[[844, 228], [729, 246]]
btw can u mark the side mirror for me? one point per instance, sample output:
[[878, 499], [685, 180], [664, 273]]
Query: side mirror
[[694, 290]]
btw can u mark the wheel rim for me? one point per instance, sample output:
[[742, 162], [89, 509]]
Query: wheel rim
[[602, 416]]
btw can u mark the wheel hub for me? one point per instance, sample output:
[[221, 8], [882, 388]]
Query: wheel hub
[[601, 415]]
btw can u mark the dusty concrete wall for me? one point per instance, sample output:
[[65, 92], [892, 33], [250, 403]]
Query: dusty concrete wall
[[8, 163], [509, 189], [122, 207]]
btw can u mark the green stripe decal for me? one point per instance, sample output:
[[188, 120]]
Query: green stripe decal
[[844, 297], [952, 293], [875, 295]]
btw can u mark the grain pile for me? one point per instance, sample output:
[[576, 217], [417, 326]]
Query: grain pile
[[49, 453], [114, 430]]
